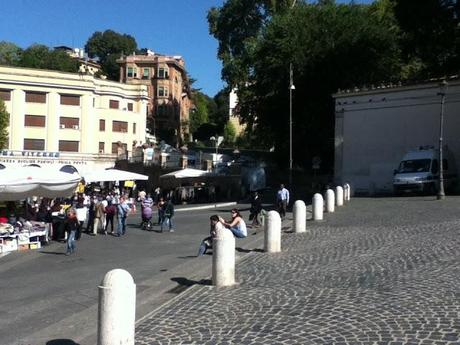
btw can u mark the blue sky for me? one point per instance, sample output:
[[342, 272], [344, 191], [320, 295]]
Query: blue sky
[[171, 27]]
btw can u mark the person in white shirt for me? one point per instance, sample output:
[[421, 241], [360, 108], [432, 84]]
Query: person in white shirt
[[282, 200]]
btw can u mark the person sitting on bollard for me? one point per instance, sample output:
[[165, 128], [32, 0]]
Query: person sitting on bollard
[[207, 242], [236, 225]]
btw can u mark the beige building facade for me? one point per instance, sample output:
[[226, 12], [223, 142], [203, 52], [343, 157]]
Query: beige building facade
[[68, 117], [168, 88]]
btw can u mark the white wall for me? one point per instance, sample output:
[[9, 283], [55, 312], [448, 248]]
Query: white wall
[[374, 128]]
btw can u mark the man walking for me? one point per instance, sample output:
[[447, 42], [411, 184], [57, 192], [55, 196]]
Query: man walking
[[123, 210], [167, 216], [282, 199]]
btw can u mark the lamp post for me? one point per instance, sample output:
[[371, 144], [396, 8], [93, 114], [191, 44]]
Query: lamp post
[[443, 90], [291, 88]]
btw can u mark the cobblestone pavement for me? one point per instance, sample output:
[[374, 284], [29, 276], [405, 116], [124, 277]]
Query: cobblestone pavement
[[377, 271]]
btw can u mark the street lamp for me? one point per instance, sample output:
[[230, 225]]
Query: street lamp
[[291, 88], [443, 90]]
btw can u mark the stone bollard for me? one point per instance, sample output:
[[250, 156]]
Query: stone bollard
[[330, 201], [339, 196], [272, 242], [117, 309], [300, 216], [317, 207], [223, 258], [347, 192]]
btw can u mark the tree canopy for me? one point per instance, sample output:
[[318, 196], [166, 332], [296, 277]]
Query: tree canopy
[[330, 46], [108, 46]]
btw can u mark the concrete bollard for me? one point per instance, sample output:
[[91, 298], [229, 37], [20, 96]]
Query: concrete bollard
[[317, 207], [347, 192], [272, 242], [330, 201], [117, 309], [223, 258], [300, 216], [339, 196]]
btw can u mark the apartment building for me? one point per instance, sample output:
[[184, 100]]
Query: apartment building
[[168, 88], [69, 118]]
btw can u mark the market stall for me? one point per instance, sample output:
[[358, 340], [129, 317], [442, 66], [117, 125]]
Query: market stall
[[17, 232], [110, 175]]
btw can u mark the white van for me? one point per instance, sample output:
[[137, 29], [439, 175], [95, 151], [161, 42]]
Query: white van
[[418, 171]]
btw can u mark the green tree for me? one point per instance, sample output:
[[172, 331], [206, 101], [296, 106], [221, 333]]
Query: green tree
[[10, 54], [108, 46], [430, 36], [330, 45], [199, 114], [40, 56], [4, 122], [229, 133]]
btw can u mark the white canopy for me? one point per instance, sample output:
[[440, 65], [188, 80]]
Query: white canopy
[[20, 183], [184, 173], [112, 175]]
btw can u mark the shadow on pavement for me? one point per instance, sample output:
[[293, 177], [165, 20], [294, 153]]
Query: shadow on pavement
[[54, 253], [61, 342], [184, 283], [244, 250]]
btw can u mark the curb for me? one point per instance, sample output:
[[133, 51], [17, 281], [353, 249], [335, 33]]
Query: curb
[[224, 204]]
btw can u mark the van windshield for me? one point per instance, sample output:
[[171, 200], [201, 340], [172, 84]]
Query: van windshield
[[415, 165]]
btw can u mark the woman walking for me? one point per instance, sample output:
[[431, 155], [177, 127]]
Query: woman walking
[[71, 226]]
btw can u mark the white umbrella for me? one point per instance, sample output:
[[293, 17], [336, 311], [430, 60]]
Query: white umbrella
[[20, 183], [112, 175], [184, 173]]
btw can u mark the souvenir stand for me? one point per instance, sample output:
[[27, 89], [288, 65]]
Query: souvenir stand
[[19, 184]]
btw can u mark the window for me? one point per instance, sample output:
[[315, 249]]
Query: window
[[5, 95], [70, 100], [130, 107], [115, 147], [163, 73], [134, 128], [113, 104], [68, 146], [34, 144], [131, 73], [101, 147], [34, 121], [102, 125], [119, 126], [162, 91], [69, 122], [162, 110], [35, 97], [146, 73]]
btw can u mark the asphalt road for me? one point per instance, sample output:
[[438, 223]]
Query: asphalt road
[[50, 298]]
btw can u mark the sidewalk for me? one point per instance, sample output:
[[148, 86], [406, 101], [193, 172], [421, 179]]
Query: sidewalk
[[374, 272]]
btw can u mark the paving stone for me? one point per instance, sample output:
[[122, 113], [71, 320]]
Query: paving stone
[[377, 271]]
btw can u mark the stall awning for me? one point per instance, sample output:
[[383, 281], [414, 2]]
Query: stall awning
[[28, 181], [185, 173], [112, 175]]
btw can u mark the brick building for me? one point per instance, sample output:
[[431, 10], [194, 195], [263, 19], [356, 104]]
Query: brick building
[[169, 91]]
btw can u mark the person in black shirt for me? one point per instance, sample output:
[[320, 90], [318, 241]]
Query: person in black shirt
[[71, 226]]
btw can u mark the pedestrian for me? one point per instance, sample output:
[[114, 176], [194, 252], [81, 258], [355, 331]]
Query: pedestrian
[[81, 211], [167, 216], [282, 200], [71, 226], [236, 225], [110, 212], [207, 242], [122, 210], [160, 206], [98, 217], [91, 215], [256, 208]]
